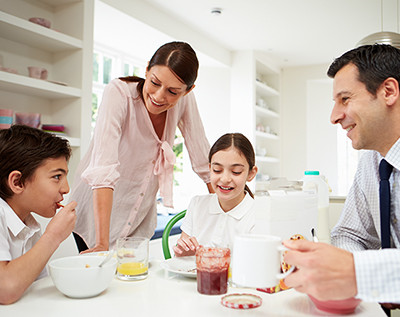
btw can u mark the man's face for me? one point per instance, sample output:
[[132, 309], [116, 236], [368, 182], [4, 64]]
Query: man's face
[[359, 112]]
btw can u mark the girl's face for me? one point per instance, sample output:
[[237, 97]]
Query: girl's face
[[162, 89], [229, 174], [44, 189]]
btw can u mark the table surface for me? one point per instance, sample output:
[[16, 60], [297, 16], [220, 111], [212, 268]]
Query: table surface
[[162, 293]]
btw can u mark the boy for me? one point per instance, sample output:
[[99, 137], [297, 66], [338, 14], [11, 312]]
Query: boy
[[33, 178]]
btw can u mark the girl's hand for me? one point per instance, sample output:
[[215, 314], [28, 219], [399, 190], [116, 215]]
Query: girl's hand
[[186, 246]]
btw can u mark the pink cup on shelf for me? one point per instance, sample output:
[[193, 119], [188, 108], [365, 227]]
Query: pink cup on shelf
[[38, 72], [29, 119]]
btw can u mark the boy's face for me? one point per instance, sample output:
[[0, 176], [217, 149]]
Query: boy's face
[[45, 188]]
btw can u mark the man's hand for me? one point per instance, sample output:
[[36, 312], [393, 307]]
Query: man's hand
[[322, 270]]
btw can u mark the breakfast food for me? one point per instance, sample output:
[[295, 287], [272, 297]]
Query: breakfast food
[[284, 266]]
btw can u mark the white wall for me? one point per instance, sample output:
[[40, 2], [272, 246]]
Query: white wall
[[295, 85], [321, 134]]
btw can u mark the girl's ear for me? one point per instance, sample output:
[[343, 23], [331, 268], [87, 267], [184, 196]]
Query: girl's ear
[[252, 173], [14, 182]]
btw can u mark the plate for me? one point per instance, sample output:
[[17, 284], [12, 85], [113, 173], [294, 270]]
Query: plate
[[185, 266]]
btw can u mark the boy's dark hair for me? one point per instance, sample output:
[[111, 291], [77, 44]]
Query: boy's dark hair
[[240, 143], [375, 63], [24, 149]]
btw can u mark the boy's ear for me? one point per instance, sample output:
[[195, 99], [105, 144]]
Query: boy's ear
[[252, 173], [14, 182]]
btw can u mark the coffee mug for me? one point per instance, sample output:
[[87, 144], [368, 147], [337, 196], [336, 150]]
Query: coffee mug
[[37, 72], [256, 261]]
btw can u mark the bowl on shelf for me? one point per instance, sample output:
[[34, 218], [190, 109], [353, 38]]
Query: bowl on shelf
[[345, 306], [6, 118], [29, 119], [80, 276], [41, 21]]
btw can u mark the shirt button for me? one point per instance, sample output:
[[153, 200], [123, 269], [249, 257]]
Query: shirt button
[[141, 194], [129, 223], [153, 161]]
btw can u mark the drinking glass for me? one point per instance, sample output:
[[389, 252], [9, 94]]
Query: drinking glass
[[133, 258], [212, 270]]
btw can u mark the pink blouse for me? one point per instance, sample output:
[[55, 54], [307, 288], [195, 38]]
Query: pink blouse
[[126, 155]]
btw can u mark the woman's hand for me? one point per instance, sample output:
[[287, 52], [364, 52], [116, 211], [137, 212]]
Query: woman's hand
[[96, 248], [186, 246]]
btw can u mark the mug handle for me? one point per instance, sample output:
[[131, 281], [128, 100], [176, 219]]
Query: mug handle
[[286, 274]]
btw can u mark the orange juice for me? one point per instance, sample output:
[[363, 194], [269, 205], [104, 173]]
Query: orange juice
[[132, 268]]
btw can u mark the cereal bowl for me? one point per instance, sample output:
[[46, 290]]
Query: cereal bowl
[[345, 306], [80, 277]]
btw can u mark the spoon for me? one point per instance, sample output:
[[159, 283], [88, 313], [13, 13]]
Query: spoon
[[315, 239], [107, 258]]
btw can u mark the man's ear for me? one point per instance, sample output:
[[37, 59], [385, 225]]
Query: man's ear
[[14, 182], [391, 91]]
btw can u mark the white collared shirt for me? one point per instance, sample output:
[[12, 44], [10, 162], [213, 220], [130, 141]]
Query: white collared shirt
[[16, 237], [211, 226], [358, 229]]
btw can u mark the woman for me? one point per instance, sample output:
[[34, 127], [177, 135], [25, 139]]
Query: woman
[[130, 157]]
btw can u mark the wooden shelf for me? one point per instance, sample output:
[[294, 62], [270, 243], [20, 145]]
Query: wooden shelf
[[31, 34], [265, 112], [266, 90], [267, 135], [36, 87], [267, 159]]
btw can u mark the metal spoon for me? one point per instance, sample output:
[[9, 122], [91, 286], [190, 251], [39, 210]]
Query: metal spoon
[[107, 258], [315, 239]]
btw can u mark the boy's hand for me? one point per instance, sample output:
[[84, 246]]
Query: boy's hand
[[186, 246], [62, 224]]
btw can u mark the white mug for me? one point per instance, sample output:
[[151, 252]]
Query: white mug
[[256, 261]]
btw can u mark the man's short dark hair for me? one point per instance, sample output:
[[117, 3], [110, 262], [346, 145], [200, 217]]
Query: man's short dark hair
[[375, 63], [24, 149]]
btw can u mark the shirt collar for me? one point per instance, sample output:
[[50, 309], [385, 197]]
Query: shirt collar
[[393, 156], [238, 212], [14, 223]]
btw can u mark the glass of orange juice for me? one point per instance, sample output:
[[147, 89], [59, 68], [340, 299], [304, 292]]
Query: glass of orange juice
[[133, 258]]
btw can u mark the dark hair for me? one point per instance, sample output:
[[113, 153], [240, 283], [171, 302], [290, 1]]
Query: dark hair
[[24, 149], [375, 64], [239, 142], [179, 57]]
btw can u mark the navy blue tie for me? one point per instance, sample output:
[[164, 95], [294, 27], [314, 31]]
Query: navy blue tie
[[385, 169]]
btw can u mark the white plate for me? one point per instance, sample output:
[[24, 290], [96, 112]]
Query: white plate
[[185, 266]]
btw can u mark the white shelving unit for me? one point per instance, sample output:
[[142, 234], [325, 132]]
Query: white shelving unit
[[256, 109], [65, 50]]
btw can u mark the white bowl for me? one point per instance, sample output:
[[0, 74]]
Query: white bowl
[[80, 276]]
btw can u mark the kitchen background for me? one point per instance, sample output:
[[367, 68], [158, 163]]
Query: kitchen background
[[263, 71]]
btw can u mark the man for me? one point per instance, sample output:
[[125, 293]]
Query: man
[[367, 105]]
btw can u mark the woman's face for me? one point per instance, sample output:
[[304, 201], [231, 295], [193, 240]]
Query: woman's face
[[162, 89]]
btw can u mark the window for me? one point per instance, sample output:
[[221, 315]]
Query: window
[[347, 158], [107, 65]]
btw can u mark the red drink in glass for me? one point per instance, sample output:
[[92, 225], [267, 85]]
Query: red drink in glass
[[212, 270]]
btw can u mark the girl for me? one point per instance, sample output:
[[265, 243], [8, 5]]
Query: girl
[[215, 219]]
